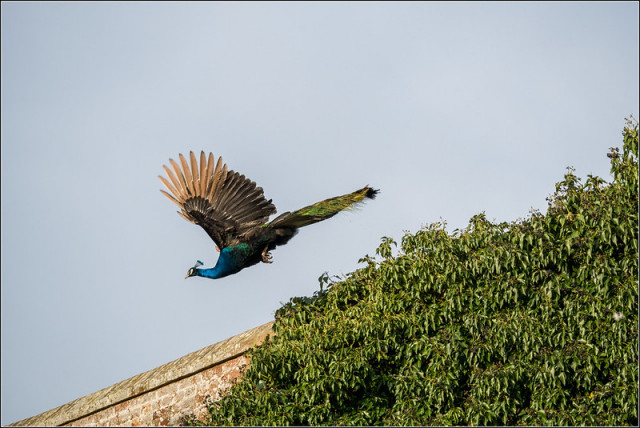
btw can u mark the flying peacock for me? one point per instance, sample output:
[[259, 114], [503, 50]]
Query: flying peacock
[[234, 212]]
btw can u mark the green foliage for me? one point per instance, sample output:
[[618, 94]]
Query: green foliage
[[533, 322]]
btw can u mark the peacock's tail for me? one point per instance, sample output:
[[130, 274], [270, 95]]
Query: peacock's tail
[[322, 210]]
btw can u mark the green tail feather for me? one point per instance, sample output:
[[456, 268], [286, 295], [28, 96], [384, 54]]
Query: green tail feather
[[324, 209]]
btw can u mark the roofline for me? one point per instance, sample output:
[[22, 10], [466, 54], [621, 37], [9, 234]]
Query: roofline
[[143, 383]]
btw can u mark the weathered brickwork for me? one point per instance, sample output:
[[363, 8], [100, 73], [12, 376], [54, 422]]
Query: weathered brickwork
[[161, 396], [166, 405]]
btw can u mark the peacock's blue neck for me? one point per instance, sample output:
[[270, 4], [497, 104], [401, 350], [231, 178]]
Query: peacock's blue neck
[[226, 266]]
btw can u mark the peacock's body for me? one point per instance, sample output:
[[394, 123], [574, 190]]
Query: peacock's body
[[234, 212]]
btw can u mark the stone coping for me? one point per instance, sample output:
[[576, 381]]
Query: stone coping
[[180, 368]]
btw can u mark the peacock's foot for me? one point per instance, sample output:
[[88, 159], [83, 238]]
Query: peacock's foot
[[266, 256]]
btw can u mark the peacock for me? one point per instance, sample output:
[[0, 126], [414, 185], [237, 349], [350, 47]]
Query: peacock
[[234, 212]]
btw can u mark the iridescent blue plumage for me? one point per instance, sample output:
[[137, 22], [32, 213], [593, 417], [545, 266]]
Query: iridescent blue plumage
[[226, 265], [234, 212]]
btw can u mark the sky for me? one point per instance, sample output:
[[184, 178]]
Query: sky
[[450, 109]]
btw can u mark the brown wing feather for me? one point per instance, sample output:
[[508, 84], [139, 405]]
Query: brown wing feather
[[203, 172], [183, 184], [195, 174], [174, 180], [225, 203], [186, 172]]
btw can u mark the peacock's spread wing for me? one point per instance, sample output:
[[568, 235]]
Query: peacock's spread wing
[[226, 204]]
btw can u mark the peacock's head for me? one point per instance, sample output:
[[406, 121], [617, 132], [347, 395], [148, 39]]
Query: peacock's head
[[194, 270]]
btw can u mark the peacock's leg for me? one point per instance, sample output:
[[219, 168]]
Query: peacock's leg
[[266, 257]]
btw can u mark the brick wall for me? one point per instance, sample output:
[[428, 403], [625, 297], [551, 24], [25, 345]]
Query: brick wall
[[163, 395], [167, 404]]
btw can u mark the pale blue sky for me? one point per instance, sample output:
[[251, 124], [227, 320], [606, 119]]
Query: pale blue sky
[[450, 109]]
